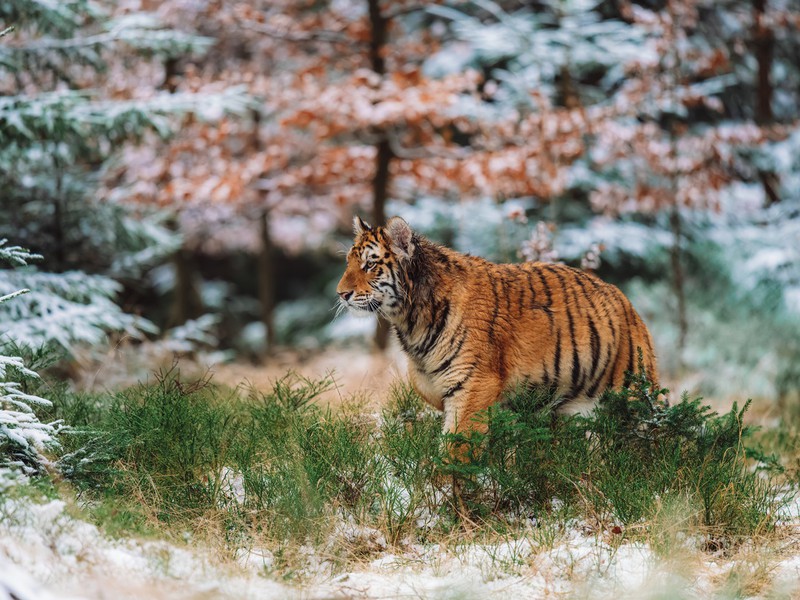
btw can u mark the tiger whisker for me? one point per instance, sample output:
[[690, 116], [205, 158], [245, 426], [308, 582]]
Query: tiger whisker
[[338, 308]]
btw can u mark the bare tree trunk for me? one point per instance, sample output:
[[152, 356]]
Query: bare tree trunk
[[380, 191], [266, 254], [380, 184], [171, 74], [678, 277], [678, 280], [59, 257], [764, 43], [186, 302], [266, 281], [567, 90], [764, 47], [379, 26]]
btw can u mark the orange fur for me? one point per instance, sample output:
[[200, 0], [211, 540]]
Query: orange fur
[[472, 329]]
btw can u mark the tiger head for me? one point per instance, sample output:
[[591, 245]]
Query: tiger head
[[373, 280]]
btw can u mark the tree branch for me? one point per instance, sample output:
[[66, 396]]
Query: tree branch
[[406, 10], [422, 153], [131, 35], [330, 37]]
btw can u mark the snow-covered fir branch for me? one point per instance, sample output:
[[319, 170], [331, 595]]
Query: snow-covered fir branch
[[23, 438], [64, 308], [16, 255]]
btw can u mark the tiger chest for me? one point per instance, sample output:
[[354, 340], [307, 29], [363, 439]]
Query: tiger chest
[[431, 387]]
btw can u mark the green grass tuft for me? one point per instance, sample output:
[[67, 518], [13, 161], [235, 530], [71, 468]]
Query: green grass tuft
[[276, 466], [620, 464]]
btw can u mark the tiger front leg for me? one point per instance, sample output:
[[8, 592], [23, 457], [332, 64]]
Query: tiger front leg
[[462, 415], [462, 406]]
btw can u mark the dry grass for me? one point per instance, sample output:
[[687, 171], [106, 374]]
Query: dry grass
[[356, 371]]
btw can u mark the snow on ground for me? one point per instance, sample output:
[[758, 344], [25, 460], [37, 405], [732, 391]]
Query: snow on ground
[[70, 558], [46, 553]]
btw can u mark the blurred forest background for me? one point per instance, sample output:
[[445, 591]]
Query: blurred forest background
[[185, 172]]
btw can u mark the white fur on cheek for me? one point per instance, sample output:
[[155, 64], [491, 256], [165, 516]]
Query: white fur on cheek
[[359, 312]]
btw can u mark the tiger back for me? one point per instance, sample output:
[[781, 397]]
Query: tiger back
[[472, 329]]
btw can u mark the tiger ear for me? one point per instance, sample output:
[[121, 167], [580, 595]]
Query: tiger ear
[[401, 237], [359, 226]]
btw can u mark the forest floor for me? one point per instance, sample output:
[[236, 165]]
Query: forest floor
[[48, 552], [50, 548], [358, 372]]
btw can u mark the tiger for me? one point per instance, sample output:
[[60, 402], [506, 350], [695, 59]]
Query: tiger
[[473, 330]]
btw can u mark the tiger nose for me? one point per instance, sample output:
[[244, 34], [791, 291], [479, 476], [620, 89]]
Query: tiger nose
[[345, 295]]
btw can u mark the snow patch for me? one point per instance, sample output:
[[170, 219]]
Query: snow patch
[[45, 553], [49, 549]]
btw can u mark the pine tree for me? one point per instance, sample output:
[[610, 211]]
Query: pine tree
[[72, 95], [23, 438], [671, 107]]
